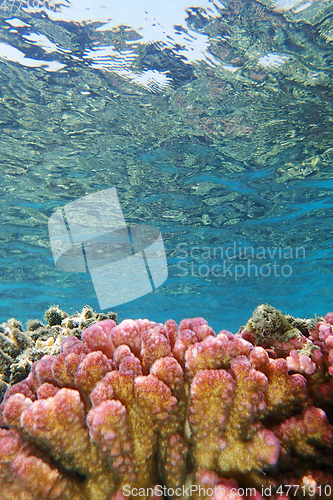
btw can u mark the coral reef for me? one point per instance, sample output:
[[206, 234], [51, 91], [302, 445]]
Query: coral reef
[[19, 348], [146, 409]]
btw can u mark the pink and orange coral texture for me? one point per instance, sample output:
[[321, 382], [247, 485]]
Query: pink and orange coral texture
[[138, 406]]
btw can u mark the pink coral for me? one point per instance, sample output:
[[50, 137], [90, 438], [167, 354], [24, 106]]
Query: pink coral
[[142, 405]]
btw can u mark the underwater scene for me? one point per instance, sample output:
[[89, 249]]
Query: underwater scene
[[212, 122], [166, 316]]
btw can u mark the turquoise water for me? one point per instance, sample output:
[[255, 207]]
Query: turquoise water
[[213, 121]]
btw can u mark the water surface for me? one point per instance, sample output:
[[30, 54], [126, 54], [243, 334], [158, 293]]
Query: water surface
[[212, 120]]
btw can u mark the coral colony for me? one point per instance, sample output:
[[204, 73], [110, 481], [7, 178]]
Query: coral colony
[[148, 410]]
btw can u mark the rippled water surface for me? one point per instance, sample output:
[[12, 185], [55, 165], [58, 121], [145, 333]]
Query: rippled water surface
[[212, 120]]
